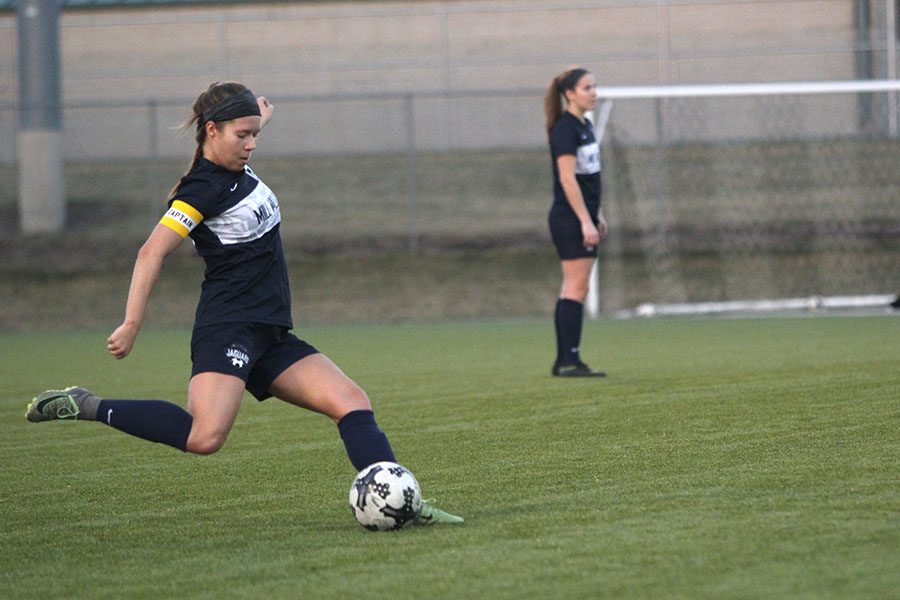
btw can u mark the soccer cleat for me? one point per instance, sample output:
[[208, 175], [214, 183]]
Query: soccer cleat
[[431, 515], [69, 404], [579, 369]]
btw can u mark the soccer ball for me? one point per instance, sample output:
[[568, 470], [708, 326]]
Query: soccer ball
[[385, 496]]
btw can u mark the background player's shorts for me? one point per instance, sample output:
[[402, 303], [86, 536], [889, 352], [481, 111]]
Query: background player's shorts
[[256, 353], [566, 233]]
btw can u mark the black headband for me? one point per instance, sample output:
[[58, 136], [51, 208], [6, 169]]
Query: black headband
[[242, 104], [569, 81]]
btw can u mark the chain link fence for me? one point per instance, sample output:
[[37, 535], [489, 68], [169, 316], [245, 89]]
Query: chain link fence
[[708, 197], [784, 195]]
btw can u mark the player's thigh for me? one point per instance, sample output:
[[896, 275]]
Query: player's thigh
[[576, 278], [316, 383], [214, 400]]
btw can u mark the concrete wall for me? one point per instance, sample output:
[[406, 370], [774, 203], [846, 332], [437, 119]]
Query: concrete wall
[[123, 58]]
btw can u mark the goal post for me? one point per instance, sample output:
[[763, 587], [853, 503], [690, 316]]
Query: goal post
[[748, 194]]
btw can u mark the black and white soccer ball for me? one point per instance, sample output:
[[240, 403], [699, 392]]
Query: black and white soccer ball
[[385, 496]]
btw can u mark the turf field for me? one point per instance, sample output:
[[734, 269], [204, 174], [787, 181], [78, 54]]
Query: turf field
[[721, 459]]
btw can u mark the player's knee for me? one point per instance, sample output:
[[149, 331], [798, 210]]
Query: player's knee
[[351, 399], [355, 398], [208, 443], [575, 292]]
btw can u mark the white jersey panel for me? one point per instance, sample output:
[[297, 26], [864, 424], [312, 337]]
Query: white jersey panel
[[249, 219], [587, 161]]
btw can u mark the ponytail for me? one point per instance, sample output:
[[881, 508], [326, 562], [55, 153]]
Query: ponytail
[[556, 92]]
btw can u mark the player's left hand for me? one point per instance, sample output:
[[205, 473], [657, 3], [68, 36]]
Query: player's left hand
[[266, 109], [602, 227]]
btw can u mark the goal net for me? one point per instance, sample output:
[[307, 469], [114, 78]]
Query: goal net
[[738, 197]]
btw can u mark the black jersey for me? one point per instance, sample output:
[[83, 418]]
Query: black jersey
[[572, 136], [233, 219]]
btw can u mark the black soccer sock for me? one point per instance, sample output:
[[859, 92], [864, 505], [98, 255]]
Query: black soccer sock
[[154, 420], [364, 441], [568, 320]]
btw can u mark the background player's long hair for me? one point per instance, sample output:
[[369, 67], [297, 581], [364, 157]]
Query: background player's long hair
[[214, 94], [554, 98]]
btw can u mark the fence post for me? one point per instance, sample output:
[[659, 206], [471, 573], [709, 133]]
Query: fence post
[[42, 194], [153, 162], [412, 174], [891, 19]]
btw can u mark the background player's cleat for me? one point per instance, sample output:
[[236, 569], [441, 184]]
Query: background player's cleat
[[68, 404], [579, 369], [432, 515]]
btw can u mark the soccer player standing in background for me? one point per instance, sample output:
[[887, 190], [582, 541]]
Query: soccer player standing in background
[[241, 338], [576, 220]]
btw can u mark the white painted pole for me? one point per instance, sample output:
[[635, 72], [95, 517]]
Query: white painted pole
[[592, 304], [39, 142]]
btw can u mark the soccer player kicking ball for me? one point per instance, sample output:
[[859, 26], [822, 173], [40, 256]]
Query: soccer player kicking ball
[[241, 337]]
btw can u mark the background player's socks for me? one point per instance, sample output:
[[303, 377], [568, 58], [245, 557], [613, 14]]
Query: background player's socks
[[364, 441], [568, 320], [153, 420]]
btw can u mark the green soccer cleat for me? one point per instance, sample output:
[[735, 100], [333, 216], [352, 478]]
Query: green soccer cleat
[[432, 515], [69, 404]]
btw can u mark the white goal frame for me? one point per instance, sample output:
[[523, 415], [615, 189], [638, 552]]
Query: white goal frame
[[607, 95]]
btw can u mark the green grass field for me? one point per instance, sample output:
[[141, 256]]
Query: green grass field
[[721, 459]]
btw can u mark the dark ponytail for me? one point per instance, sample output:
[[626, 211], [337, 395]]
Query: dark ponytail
[[556, 92]]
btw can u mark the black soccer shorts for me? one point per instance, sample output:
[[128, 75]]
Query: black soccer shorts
[[256, 353], [565, 230]]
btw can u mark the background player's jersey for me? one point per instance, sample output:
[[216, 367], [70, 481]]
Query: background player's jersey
[[233, 219], [570, 136]]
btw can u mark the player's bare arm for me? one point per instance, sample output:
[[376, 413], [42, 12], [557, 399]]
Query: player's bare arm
[[566, 165], [147, 267]]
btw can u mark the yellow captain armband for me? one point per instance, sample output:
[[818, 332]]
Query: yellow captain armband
[[181, 218]]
